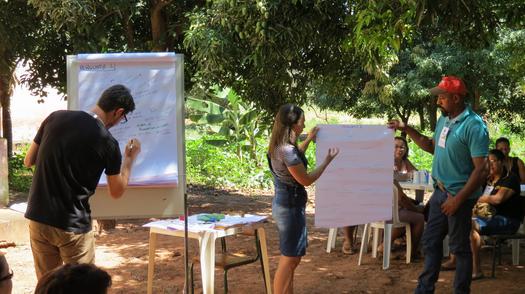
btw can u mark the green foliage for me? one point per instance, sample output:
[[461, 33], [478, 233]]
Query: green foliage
[[239, 122], [219, 166], [20, 177], [380, 27], [422, 160], [272, 52]]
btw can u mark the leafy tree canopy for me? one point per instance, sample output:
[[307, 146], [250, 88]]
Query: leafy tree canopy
[[274, 51]]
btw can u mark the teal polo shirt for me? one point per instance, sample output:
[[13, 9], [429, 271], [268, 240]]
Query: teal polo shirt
[[467, 138]]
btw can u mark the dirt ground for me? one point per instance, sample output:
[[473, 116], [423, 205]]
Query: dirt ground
[[123, 252]]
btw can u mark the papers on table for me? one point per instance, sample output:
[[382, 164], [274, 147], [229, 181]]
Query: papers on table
[[194, 225]]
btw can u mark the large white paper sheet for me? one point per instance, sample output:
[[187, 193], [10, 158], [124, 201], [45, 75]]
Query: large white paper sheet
[[356, 188], [151, 80]]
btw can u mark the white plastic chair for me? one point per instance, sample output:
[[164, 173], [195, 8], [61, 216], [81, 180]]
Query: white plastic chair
[[387, 226], [332, 236]]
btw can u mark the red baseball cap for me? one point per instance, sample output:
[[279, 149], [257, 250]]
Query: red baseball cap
[[449, 84]]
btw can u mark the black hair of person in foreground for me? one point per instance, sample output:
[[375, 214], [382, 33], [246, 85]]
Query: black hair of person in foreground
[[74, 278]]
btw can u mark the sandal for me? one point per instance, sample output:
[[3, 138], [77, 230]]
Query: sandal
[[477, 276], [347, 249]]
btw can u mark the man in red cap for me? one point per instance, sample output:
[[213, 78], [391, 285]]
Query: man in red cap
[[460, 147]]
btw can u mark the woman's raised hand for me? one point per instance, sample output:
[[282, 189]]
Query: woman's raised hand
[[312, 135], [396, 125], [332, 153]]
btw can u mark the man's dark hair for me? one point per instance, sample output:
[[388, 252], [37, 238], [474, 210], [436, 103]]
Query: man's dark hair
[[74, 278], [115, 97]]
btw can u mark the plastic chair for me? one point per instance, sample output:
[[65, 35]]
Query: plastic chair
[[332, 236], [387, 226], [228, 260]]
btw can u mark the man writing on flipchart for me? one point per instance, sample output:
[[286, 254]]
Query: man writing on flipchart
[[70, 151]]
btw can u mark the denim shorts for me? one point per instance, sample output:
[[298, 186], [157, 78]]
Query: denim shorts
[[291, 224], [497, 224]]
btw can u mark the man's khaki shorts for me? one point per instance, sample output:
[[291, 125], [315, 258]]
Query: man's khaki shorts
[[52, 246]]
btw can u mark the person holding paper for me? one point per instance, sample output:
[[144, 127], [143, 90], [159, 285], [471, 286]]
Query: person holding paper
[[460, 147], [71, 150], [288, 165]]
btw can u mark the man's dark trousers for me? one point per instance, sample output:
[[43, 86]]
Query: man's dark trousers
[[458, 227]]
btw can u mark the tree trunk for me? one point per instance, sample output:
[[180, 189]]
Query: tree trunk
[[421, 113], [5, 102], [475, 104], [158, 24], [432, 109], [128, 28], [404, 115]]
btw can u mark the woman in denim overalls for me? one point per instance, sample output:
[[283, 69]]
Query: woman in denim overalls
[[289, 168]]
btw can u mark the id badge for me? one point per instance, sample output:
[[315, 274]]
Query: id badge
[[488, 190], [443, 137]]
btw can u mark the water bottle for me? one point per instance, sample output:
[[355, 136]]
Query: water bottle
[[415, 177]]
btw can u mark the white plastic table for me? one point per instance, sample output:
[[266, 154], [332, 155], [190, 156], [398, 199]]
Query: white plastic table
[[429, 187], [418, 188], [206, 238]]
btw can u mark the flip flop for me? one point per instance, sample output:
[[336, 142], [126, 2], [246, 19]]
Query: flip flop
[[477, 276], [347, 249]]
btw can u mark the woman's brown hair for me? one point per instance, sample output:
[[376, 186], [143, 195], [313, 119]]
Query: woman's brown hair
[[288, 115]]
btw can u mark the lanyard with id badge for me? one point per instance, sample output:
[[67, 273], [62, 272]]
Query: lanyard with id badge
[[444, 132], [488, 190]]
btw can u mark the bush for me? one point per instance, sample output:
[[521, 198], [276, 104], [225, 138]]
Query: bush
[[212, 164], [218, 165], [20, 177]]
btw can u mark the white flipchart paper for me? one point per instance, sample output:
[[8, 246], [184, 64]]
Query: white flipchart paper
[[356, 188], [151, 80]]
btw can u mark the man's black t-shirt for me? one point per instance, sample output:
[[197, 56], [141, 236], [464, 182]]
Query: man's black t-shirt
[[74, 149]]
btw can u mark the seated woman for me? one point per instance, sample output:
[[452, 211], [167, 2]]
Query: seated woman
[[503, 193], [412, 214], [408, 211], [513, 164], [403, 168]]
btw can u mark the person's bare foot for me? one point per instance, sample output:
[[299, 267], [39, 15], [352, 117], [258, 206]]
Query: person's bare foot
[[348, 248], [448, 265], [478, 276], [380, 249]]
